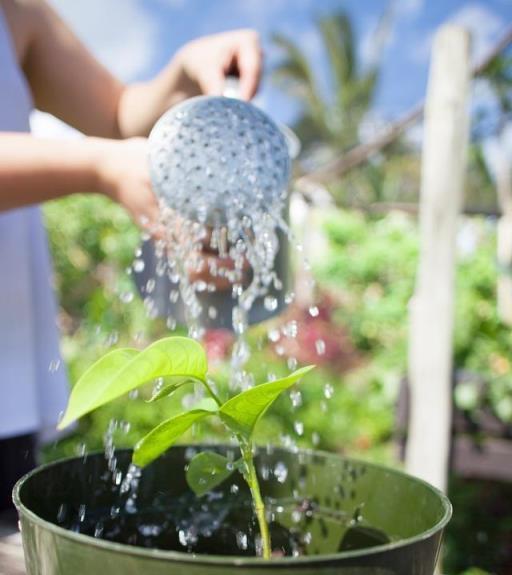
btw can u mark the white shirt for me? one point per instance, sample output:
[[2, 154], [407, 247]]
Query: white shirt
[[31, 394]]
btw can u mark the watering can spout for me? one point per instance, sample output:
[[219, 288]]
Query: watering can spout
[[221, 163]]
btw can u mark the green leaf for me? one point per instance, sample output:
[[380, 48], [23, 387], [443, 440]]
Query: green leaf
[[170, 386], [123, 370], [207, 470], [165, 435], [242, 412], [207, 404]]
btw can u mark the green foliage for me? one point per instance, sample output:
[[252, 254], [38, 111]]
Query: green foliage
[[165, 435], [329, 120], [242, 412], [372, 265], [207, 470], [124, 370]]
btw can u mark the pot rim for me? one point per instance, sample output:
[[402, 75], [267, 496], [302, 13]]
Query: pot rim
[[231, 560]]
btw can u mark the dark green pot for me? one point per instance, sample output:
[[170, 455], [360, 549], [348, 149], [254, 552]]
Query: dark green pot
[[323, 486]]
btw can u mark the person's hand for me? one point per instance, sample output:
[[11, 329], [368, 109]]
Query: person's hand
[[207, 61], [123, 176]]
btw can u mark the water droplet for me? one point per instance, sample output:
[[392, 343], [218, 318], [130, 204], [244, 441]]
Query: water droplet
[[289, 297], [320, 346], [150, 285], [161, 268], [150, 530], [328, 391], [296, 398], [241, 540], [280, 471], [138, 266], [126, 297], [187, 537], [290, 329], [54, 365], [190, 452], [314, 311], [292, 363], [274, 335], [270, 303], [299, 428], [62, 513], [112, 339]]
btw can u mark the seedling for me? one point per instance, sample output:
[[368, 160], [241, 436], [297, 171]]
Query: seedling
[[180, 360]]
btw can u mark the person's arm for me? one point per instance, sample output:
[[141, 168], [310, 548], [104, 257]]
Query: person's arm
[[68, 82], [199, 67], [33, 170]]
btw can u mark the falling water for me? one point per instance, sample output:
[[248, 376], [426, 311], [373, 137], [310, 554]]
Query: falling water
[[223, 201]]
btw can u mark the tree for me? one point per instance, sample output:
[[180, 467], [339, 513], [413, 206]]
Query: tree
[[330, 120], [330, 123]]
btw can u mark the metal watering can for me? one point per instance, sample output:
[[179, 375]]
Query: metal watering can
[[217, 154]]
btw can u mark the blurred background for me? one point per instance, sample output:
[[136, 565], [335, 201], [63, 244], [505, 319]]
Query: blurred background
[[341, 74]]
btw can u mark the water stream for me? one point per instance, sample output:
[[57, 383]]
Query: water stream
[[232, 254]]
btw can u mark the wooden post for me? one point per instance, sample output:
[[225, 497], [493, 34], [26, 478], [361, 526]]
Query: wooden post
[[504, 231], [432, 306]]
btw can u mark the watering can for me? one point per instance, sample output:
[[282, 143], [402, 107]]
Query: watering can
[[217, 155]]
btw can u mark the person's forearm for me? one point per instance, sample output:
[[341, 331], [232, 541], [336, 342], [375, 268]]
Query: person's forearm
[[140, 105], [34, 170]]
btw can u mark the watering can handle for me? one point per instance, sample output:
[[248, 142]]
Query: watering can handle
[[232, 87]]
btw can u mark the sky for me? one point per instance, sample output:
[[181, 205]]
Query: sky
[[136, 38]]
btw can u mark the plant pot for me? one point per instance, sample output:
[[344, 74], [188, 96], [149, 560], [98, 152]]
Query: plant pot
[[326, 504]]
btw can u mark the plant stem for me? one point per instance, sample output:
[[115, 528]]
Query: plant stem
[[259, 506], [214, 396]]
